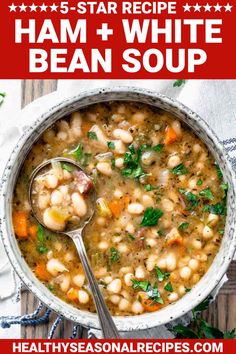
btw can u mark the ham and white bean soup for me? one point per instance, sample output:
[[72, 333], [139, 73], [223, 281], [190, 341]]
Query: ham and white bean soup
[[160, 208]]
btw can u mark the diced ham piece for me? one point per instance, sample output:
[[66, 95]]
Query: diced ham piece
[[84, 183]]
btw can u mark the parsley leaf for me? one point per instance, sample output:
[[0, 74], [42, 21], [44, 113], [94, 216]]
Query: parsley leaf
[[207, 193], [114, 255], [168, 287], [92, 135], [225, 187], [133, 168], [111, 145], [149, 187], [199, 182], [2, 96], [78, 152], [144, 284], [217, 209], [218, 172], [191, 198], [180, 170], [151, 291], [161, 276], [42, 249], [67, 167], [183, 226], [151, 217], [179, 83], [40, 233], [158, 148]]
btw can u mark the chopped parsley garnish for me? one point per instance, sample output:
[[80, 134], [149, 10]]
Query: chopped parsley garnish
[[50, 287], [111, 145], [183, 226], [221, 232], [168, 287], [158, 148], [2, 96], [131, 237], [217, 209], [225, 188], [207, 193], [133, 168], [218, 172], [67, 167], [151, 217], [113, 164], [161, 232], [151, 291], [80, 155], [187, 290], [114, 255], [191, 198], [149, 187], [160, 275], [92, 135], [40, 233], [179, 83], [42, 249], [199, 182], [180, 170]]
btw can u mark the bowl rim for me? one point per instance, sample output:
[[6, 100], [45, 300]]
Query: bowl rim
[[85, 318]]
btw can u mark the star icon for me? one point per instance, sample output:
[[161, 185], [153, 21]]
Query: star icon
[[217, 7], [207, 7], [33, 7], [53, 7], [197, 7], [12, 7], [187, 7], [23, 8], [228, 7], [43, 7]]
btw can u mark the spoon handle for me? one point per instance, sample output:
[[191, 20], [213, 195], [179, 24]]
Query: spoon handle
[[108, 327]]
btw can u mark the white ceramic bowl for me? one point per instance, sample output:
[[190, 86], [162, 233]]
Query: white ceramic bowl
[[222, 260]]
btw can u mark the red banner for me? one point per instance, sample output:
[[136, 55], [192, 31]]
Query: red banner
[[118, 346], [117, 39]]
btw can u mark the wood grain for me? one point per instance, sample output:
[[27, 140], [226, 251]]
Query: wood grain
[[221, 313]]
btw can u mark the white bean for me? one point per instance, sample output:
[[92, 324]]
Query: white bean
[[151, 242], [196, 148], [118, 193], [181, 290], [195, 278], [115, 299], [147, 201], [100, 135], [51, 181], [50, 254], [83, 297], [104, 168], [66, 175], [135, 208], [196, 244], [124, 270], [137, 307], [130, 228], [177, 127], [151, 262], [138, 117], [54, 266], [148, 157], [103, 245], [56, 197], [69, 256], [123, 248], [51, 222], [79, 204], [173, 297], [185, 273], [115, 286], [140, 272], [119, 163], [107, 280], [65, 282], [43, 200], [167, 205], [128, 279], [171, 262], [124, 135], [75, 123], [193, 264], [173, 161], [119, 147], [207, 233], [79, 280], [192, 183], [164, 177], [101, 221], [162, 263], [212, 219], [124, 305]]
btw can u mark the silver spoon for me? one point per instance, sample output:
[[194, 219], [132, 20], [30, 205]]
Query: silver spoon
[[108, 327]]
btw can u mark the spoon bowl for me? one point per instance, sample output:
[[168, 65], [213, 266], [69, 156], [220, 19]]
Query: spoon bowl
[[108, 327]]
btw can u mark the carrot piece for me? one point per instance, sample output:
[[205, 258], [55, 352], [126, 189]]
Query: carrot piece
[[126, 200], [41, 271], [86, 126], [72, 294], [149, 304], [170, 136], [116, 207], [33, 231], [19, 219], [174, 237]]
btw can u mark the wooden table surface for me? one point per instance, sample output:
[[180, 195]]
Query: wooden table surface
[[221, 313]]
